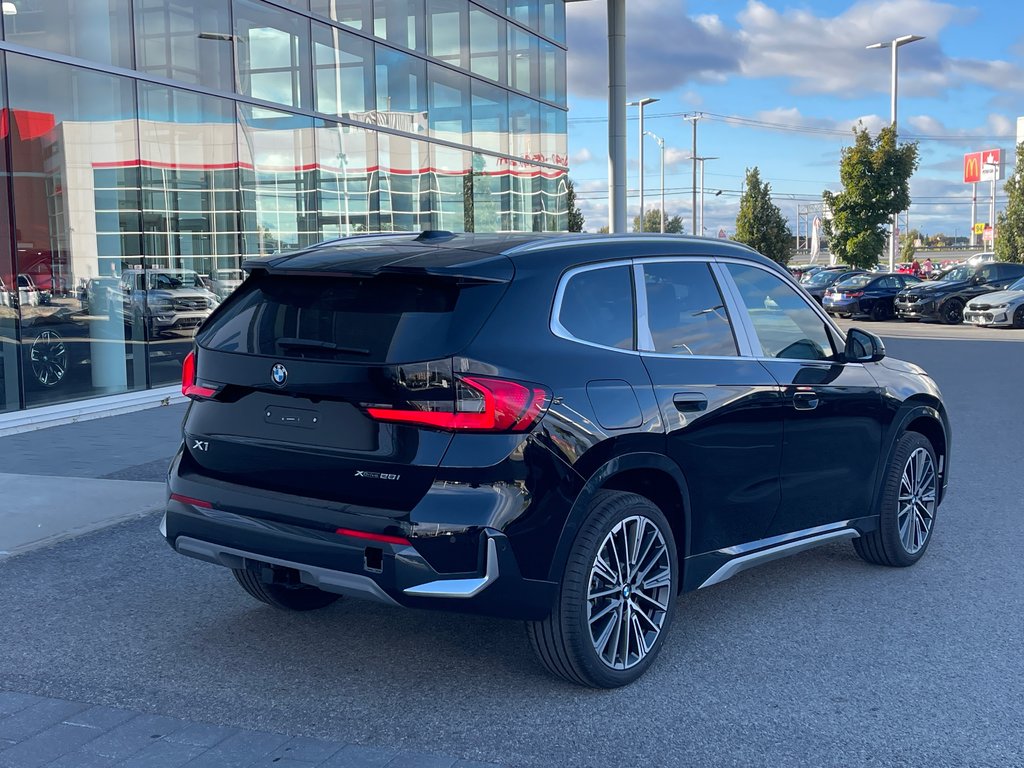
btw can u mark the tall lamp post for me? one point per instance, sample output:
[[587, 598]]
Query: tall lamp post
[[992, 204], [642, 103], [895, 46], [661, 145], [701, 160]]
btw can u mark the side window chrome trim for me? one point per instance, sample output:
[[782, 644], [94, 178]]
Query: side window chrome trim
[[560, 330]]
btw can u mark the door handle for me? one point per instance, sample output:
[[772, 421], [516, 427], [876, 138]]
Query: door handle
[[805, 401], [690, 402]]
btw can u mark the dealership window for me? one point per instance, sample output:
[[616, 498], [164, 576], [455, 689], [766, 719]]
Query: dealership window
[[401, 90], [272, 48], [449, 105], [343, 72], [357, 14], [400, 22], [490, 192], [68, 125], [553, 147], [490, 117], [405, 184], [277, 180], [524, 125], [487, 45], [186, 40], [522, 59], [346, 189], [97, 30], [523, 11], [551, 73], [552, 19], [453, 180], [447, 31]]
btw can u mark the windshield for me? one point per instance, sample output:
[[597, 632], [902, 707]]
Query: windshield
[[1017, 286], [858, 281], [172, 280], [823, 278], [958, 273]]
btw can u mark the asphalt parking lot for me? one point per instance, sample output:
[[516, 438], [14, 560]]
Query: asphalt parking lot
[[817, 660]]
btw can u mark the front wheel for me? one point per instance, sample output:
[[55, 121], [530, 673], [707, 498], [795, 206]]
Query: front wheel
[[289, 597], [908, 506], [617, 595], [1018, 317], [879, 312], [953, 312]]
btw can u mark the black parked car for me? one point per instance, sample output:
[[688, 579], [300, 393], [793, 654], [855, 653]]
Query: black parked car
[[818, 284], [570, 430], [867, 294], [944, 299]]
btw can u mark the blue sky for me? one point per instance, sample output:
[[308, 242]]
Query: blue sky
[[800, 71]]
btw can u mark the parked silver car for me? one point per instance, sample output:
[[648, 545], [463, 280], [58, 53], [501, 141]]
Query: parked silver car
[[1002, 308]]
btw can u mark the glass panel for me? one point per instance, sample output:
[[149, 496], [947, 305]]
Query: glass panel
[[553, 146], [73, 149], [524, 125], [449, 105], [494, 5], [597, 306], [400, 22], [552, 19], [785, 324], [447, 30], [686, 314], [343, 72], [523, 11], [401, 90], [405, 184], [97, 30], [187, 40], [554, 201], [453, 180], [522, 59], [189, 227], [526, 198], [487, 45], [353, 13], [272, 47], [490, 117], [9, 389], [552, 73], [347, 160], [278, 180], [490, 187]]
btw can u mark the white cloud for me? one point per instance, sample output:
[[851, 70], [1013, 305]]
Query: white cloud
[[694, 49], [582, 156]]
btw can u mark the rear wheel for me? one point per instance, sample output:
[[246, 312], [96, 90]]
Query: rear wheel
[[908, 506], [1018, 317], [617, 595], [879, 311], [287, 597], [952, 312]]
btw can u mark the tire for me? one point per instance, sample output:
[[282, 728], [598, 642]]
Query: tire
[[952, 312], [569, 642], [297, 598], [1018, 317], [903, 534], [879, 312]]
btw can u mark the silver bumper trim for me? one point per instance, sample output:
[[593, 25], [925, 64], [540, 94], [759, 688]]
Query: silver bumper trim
[[460, 587]]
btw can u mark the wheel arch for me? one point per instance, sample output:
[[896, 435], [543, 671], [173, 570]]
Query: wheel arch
[[651, 475], [929, 419]]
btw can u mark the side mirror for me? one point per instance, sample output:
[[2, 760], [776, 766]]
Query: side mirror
[[863, 347], [977, 280]]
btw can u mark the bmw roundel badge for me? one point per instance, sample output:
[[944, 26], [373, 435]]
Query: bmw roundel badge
[[279, 375]]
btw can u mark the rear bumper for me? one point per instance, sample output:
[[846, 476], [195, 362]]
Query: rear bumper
[[409, 574], [843, 307]]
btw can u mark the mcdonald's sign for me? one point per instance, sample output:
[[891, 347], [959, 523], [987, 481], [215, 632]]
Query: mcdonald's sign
[[972, 167]]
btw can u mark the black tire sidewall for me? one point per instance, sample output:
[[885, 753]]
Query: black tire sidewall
[[1018, 317], [889, 502], [946, 309], [607, 510]]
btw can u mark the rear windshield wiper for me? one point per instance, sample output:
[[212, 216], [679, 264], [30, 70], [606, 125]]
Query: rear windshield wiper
[[326, 346]]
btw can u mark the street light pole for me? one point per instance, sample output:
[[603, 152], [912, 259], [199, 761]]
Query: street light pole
[[701, 161], [661, 145], [895, 46], [992, 203], [693, 168], [642, 103]]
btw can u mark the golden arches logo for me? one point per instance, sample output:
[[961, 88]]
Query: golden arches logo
[[972, 167]]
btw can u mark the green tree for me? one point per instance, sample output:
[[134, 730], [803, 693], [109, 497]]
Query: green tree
[[1010, 223], [652, 222], [760, 224], [875, 174], [576, 219], [907, 246]]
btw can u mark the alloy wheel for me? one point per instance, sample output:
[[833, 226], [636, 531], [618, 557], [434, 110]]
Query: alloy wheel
[[916, 502], [954, 312], [49, 358], [629, 591]]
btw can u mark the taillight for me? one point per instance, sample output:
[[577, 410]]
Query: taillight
[[189, 388], [855, 295], [482, 404]]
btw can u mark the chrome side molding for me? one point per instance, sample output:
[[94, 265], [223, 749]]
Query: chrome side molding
[[460, 587]]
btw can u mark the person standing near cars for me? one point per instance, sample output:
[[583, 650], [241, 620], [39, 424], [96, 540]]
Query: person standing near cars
[[926, 269]]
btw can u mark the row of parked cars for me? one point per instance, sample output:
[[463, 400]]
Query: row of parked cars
[[978, 291]]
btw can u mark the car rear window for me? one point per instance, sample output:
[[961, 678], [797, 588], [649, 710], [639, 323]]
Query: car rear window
[[380, 319], [857, 281]]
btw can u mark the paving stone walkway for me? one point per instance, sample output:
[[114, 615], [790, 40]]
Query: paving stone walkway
[[36, 731]]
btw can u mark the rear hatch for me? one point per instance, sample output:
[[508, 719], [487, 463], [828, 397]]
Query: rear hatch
[[296, 369]]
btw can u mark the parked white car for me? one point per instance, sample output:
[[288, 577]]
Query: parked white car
[[1002, 308]]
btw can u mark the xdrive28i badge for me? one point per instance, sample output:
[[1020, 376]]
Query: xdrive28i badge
[[279, 375]]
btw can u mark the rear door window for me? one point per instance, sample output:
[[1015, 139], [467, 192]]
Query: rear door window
[[380, 319], [597, 307], [686, 314]]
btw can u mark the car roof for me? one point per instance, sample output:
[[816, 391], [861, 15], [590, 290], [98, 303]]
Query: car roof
[[487, 255]]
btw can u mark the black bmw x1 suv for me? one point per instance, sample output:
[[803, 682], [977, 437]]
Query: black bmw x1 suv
[[568, 430]]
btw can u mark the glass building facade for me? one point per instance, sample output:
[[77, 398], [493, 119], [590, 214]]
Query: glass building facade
[[150, 145]]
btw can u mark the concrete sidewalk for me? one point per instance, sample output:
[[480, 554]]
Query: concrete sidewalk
[[64, 481]]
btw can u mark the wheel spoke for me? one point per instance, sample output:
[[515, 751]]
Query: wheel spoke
[[604, 571], [651, 600], [604, 593], [612, 605], [663, 579]]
